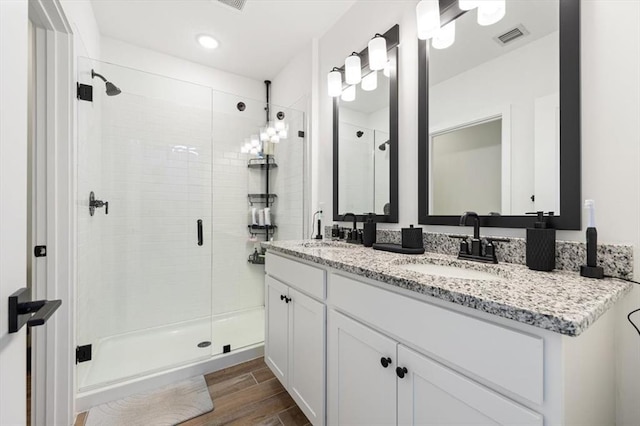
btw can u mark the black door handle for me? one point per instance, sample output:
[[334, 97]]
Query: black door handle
[[401, 371], [200, 232], [385, 361], [21, 309]]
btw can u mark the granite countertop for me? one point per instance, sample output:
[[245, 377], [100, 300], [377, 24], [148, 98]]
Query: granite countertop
[[559, 301]]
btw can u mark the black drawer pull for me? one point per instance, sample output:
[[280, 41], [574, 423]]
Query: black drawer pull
[[200, 232], [385, 361], [401, 371]]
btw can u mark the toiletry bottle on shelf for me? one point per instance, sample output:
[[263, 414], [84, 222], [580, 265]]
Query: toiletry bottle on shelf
[[541, 244], [591, 269], [267, 216], [369, 230], [261, 217]]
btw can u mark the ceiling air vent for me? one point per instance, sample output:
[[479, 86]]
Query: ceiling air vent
[[511, 35], [236, 4]]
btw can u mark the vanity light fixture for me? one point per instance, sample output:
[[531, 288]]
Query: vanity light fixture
[[352, 69], [387, 69], [468, 4], [370, 81], [334, 82], [349, 94], [377, 49], [428, 16], [207, 41], [445, 36], [491, 11]]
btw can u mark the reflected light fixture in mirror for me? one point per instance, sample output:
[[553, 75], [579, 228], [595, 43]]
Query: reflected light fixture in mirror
[[491, 11], [334, 82], [352, 69], [349, 94], [377, 49], [370, 81], [445, 37], [428, 17]]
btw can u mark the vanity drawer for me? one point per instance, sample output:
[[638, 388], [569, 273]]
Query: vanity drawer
[[505, 357], [298, 275]]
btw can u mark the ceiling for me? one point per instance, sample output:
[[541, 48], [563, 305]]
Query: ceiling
[[256, 42]]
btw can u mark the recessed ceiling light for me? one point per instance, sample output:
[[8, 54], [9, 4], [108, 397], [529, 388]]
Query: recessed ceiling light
[[207, 41]]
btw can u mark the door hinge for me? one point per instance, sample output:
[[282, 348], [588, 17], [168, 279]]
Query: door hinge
[[40, 251], [83, 353], [226, 349], [85, 92]]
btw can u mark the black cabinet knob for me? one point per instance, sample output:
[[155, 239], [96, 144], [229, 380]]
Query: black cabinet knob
[[385, 361], [287, 299], [401, 371], [283, 297]]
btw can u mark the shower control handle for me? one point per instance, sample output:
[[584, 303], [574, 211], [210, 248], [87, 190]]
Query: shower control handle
[[95, 203]]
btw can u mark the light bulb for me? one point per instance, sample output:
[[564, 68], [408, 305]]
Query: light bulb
[[370, 81], [377, 49], [468, 4], [349, 94], [428, 16], [445, 36], [352, 69], [491, 11], [334, 82], [387, 69]]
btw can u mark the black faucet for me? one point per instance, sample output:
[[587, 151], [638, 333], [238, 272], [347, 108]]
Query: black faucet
[[353, 234], [476, 251]]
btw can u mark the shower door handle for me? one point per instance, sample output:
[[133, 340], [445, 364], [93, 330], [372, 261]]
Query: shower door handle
[[199, 232]]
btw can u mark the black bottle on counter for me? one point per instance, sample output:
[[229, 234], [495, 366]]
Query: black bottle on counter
[[541, 244], [369, 232]]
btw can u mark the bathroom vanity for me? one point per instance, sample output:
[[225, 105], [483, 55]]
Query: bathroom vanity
[[366, 337]]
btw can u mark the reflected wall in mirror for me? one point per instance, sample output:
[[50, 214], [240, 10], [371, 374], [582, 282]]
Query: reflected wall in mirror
[[365, 145], [491, 132]]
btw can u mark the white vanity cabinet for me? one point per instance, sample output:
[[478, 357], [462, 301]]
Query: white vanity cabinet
[[295, 332], [394, 356]]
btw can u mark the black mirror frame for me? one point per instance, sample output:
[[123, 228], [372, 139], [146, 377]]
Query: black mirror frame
[[393, 40], [570, 128]]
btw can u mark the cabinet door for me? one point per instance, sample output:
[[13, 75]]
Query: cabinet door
[[276, 328], [360, 390], [306, 355], [431, 394]]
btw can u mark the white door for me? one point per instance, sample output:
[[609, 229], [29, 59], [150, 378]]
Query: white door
[[306, 355], [360, 389], [431, 394], [13, 202], [276, 328]]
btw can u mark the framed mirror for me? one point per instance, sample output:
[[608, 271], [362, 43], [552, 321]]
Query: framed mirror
[[499, 117], [365, 143]]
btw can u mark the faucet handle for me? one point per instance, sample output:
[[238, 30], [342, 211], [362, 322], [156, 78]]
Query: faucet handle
[[492, 240]]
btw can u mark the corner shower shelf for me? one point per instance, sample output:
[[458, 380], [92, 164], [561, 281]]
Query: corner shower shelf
[[262, 198], [261, 163]]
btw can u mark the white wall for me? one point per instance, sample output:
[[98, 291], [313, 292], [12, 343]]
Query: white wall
[[610, 136]]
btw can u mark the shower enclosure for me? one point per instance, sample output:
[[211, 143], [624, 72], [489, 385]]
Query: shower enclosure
[[163, 214]]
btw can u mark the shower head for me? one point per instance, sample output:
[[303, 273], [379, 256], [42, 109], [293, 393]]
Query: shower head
[[112, 90], [383, 146]]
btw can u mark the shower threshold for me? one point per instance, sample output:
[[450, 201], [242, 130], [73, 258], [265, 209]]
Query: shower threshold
[[141, 353]]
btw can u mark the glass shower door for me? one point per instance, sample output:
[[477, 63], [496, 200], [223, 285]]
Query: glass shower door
[[144, 259]]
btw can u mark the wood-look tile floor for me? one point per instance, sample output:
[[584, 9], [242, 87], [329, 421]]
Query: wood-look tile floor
[[245, 394]]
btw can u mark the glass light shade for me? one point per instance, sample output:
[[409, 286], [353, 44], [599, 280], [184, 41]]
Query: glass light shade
[[468, 4], [279, 125], [387, 69], [491, 11], [370, 81], [334, 83], [352, 69], [349, 94], [263, 135], [274, 139], [377, 49], [445, 36], [428, 16], [271, 130]]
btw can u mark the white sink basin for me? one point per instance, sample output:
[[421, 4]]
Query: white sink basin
[[450, 271]]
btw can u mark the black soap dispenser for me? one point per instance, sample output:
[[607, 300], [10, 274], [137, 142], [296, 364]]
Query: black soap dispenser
[[541, 244], [369, 231]]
